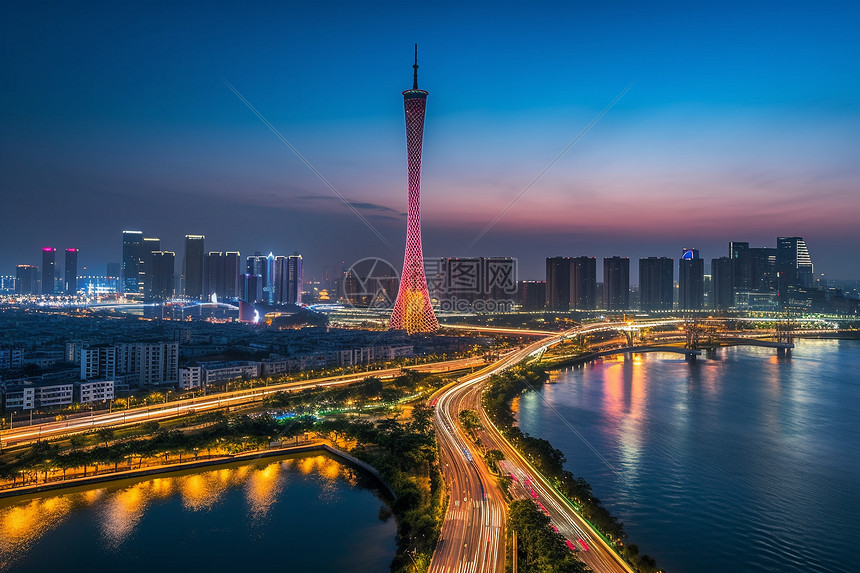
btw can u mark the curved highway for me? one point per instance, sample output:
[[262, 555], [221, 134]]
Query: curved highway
[[473, 536]]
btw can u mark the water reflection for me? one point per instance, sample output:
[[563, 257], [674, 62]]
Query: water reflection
[[22, 524], [121, 507], [692, 442]]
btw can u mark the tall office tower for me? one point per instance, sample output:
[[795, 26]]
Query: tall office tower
[[268, 276], [616, 283], [132, 253], [691, 280], [214, 275], [295, 279], [150, 245], [793, 265], [70, 285], [258, 265], [232, 274], [49, 259], [558, 283], [192, 266], [412, 310], [583, 283], [755, 268], [656, 283], [252, 288], [27, 279], [160, 272], [279, 282], [723, 281]]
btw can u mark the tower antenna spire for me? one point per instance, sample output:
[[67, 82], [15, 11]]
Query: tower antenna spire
[[415, 70]]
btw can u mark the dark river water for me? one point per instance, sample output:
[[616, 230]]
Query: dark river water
[[300, 514], [744, 462]]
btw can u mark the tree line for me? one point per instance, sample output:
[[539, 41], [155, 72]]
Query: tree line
[[500, 391]]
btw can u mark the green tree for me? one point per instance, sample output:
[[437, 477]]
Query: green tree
[[105, 434], [469, 419]]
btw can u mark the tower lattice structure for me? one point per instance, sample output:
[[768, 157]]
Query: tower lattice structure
[[412, 310]]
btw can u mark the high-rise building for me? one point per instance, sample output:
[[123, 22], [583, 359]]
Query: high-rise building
[[656, 283], [70, 285], [252, 290], [263, 266], [214, 275], [723, 282], [295, 279], [150, 245], [27, 279], [132, 255], [412, 311], [49, 259], [161, 271], [616, 283], [558, 283], [192, 266], [583, 283], [793, 265], [288, 279], [754, 268], [232, 274], [691, 280], [531, 295], [280, 279]]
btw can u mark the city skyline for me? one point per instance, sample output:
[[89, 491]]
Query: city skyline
[[741, 125]]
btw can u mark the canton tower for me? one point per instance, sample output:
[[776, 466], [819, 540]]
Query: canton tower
[[412, 311]]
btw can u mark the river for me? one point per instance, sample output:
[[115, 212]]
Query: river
[[744, 462], [307, 513]]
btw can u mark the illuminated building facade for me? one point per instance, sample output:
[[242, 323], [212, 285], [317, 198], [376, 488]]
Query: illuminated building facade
[[793, 265], [412, 310], [132, 254]]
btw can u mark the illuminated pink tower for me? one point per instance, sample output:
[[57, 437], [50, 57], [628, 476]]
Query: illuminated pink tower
[[412, 310]]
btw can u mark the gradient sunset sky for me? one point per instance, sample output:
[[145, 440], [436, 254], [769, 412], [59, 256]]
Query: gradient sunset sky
[[742, 123]]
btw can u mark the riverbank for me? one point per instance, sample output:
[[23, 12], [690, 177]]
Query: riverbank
[[191, 467], [497, 400], [731, 451]]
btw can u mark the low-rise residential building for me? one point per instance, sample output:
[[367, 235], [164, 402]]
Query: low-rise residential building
[[21, 397], [11, 358], [190, 377], [51, 396], [219, 371], [90, 391], [45, 358]]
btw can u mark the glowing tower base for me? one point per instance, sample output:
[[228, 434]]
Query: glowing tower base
[[412, 310]]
